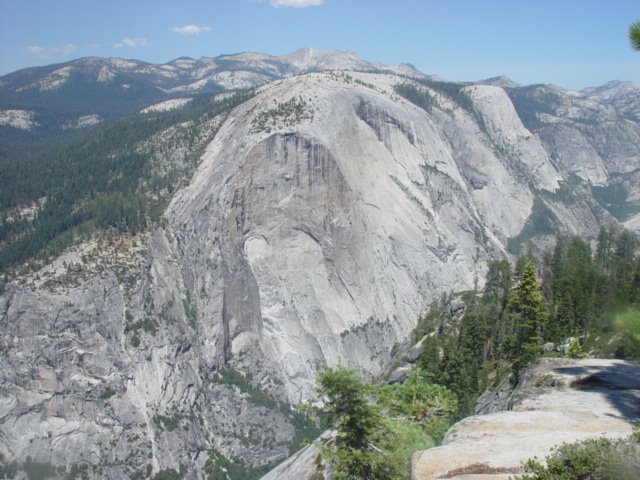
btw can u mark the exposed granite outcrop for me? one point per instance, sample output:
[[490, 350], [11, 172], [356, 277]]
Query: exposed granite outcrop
[[324, 217], [557, 401]]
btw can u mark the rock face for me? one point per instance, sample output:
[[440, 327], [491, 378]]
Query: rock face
[[328, 237], [574, 129], [94, 374], [558, 401], [20, 119], [325, 215], [304, 464]]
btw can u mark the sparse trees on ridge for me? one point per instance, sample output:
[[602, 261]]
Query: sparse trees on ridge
[[591, 295]]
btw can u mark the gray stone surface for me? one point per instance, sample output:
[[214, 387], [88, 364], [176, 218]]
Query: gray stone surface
[[304, 464], [557, 401]]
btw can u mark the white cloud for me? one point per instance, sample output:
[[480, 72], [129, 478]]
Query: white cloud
[[131, 42], [191, 30], [295, 3], [48, 53]]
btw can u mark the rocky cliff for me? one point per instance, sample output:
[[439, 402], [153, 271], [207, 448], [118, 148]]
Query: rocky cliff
[[325, 215], [557, 401]]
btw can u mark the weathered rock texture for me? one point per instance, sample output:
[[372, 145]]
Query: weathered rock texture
[[305, 464], [325, 215], [558, 401]]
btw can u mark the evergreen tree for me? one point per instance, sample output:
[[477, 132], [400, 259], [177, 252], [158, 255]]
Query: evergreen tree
[[581, 277], [418, 398], [359, 426], [603, 249], [495, 299], [380, 427], [634, 287], [348, 406], [623, 265], [634, 35], [430, 359], [527, 310], [561, 324]]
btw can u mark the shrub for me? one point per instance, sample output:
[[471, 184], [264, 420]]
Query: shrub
[[599, 458]]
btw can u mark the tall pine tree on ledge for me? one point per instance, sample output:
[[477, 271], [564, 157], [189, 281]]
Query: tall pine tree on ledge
[[527, 310]]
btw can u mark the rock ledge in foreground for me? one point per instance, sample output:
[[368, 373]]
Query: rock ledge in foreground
[[558, 401]]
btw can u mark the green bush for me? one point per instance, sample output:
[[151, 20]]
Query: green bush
[[218, 467], [107, 393], [167, 474], [597, 459], [379, 428], [168, 423], [575, 349], [628, 324]]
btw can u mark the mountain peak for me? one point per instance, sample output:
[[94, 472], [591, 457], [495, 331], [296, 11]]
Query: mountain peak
[[612, 89], [500, 81], [312, 59]]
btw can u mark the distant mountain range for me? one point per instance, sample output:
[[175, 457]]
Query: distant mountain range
[[84, 91], [56, 99]]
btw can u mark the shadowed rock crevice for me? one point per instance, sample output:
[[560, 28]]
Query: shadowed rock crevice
[[383, 123]]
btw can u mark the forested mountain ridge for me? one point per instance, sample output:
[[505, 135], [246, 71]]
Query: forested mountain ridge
[[60, 98], [119, 175], [307, 223]]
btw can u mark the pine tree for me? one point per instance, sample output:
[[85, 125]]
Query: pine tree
[[623, 263], [494, 304], [582, 275], [365, 444], [348, 405], [634, 35], [603, 249], [562, 323], [527, 309]]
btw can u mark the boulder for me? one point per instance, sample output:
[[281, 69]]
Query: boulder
[[399, 375], [415, 352]]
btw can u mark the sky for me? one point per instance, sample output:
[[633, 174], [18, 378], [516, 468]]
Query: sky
[[570, 43]]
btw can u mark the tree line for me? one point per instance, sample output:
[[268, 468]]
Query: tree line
[[96, 181], [572, 291], [592, 295]]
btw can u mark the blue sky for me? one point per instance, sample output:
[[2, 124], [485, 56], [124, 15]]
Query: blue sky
[[571, 43]]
